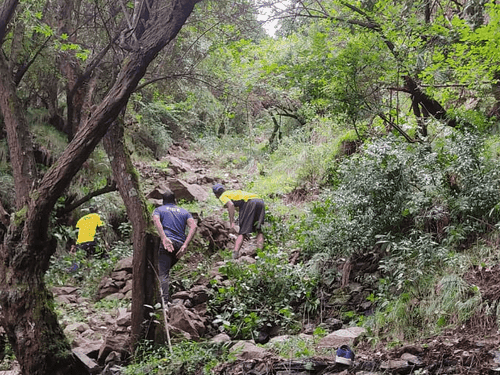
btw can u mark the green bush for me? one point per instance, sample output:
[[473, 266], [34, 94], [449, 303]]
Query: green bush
[[88, 271], [443, 189], [425, 308], [270, 292], [187, 358]]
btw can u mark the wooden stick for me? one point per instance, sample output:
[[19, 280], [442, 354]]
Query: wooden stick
[[164, 308]]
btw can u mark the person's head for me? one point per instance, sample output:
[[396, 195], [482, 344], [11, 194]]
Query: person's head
[[218, 189], [168, 197]]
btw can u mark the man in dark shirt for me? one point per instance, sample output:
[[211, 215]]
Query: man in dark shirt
[[170, 221]]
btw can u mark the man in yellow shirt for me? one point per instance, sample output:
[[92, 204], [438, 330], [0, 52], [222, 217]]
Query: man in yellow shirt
[[87, 227], [251, 214]]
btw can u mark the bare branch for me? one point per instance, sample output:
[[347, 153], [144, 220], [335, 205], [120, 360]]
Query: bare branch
[[397, 127], [110, 186], [20, 73]]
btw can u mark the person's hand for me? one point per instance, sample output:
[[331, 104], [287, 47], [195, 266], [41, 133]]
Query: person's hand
[[168, 245], [181, 251]]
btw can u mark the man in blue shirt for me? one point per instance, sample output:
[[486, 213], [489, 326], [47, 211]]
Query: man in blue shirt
[[170, 221]]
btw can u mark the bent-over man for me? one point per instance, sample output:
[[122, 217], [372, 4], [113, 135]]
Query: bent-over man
[[251, 214]]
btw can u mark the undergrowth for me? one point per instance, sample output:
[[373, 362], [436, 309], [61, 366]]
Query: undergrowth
[[187, 358]]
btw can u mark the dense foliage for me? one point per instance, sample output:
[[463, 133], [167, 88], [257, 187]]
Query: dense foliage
[[370, 128]]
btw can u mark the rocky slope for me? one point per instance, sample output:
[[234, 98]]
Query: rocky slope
[[100, 340]]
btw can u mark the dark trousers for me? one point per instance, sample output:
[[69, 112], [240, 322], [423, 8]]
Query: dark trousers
[[166, 260], [89, 247]]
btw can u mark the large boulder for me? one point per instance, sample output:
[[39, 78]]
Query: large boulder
[[188, 192], [186, 321], [341, 337]]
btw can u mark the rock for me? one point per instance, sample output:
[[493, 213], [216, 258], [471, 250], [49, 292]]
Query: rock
[[127, 287], [332, 324], [120, 275], [124, 318], [183, 295], [60, 290], [117, 343], [341, 337], [90, 365], [178, 166], [113, 357], [76, 327], [157, 193], [188, 192], [410, 358], [89, 347], [186, 321], [125, 264], [221, 337], [393, 365], [246, 350], [199, 294], [66, 299], [200, 309]]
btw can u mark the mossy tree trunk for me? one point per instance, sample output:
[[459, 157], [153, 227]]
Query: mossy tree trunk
[[143, 238], [27, 313]]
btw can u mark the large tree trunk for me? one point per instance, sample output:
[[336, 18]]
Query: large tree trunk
[[143, 239], [27, 308], [28, 316]]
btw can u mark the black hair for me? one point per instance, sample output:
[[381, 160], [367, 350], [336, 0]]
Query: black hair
[[168, 197]]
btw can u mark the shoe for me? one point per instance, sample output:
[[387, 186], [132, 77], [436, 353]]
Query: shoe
[[236, 254], [344, 355]]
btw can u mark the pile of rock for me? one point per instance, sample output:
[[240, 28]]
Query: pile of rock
[[119, 284], [100, 342]]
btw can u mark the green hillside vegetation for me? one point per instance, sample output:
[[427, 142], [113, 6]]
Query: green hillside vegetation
[[371, 130], [428, 209]]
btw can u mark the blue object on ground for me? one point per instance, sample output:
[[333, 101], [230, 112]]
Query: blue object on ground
[[344, 355]]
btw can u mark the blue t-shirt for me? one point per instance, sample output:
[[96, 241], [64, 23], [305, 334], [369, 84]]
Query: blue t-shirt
[[173, 220]]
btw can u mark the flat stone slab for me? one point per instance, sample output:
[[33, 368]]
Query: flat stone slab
[[341, 337]]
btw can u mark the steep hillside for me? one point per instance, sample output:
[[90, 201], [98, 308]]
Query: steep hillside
[[97, 324]]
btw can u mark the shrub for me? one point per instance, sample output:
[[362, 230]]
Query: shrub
[[268, 293], [395, 187], [187, 358]]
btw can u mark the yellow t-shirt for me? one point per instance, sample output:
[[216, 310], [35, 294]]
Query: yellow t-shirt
[[237, 196], [87, 226]]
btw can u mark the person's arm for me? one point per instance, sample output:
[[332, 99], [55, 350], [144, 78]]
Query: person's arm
[[167, 243], [192, 230], [230, 210]]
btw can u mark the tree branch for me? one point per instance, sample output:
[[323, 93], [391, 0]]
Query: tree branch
[[6, 13], [396, 126], [110, 186], [20, 73]]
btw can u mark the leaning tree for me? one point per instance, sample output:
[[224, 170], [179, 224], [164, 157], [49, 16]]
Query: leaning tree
[[27, 313]]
